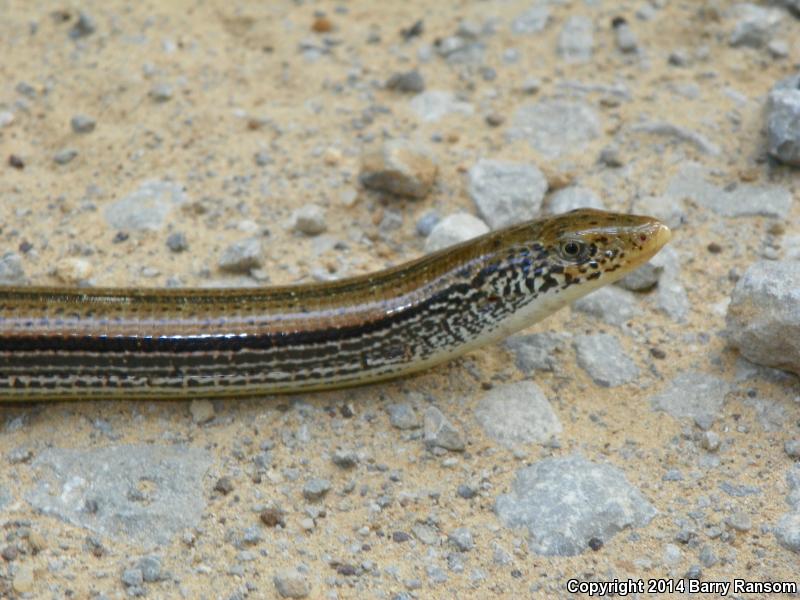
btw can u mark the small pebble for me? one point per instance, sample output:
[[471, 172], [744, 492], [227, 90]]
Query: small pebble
[[241, 256], [62, 157], [410, 81], [309, 219], [402, 416], [291, 584], [202, 411], [439, 432], [161, 92], [176, 242], [792, 448], [224, 485], [399, 167], [23, 579], [315, 489], [82, 124], [72, 270]]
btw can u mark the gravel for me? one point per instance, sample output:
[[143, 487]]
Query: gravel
[[454, 229], [576, 39], [440, 432], [409, 81], [309, 219], [506, 192], [147, 207], [461, 538], [176, 242], [316, 489], [763, 319], [783, 121], [241, 256], [291, 584], [399, 167], [403, 416], [567, 502], [648, 275], [65, 156], [434, 105], [741, 200], [754, 26], [517, 413], [610, 304], [11, 269], [693, 394], [538, 351], [555, 128], [92, 489], [572, 198], [82, 124], [533, 20], [603, 358]]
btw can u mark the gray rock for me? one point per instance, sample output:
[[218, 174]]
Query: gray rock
[[778, 48], [461, 538], [571, 198], [603, 358], [11, 270], [425, 534], [309, 219], [176, 242], [506, 192], [150, 567], [410, 81], [648, 275], [692, 394], [399, 167], [565, 502], [241, 256], [64, 156], [463, 48], [517, 413], [427, 222], [576, 39], [763, 319], [783, 121], [625, 38], [610, 304], [346, 459], [740, 521], [792, 448], [439, 432], [681, 134], [402, 416], [791, 5], [316, 488], [434, 105], [741, 200], [4, 497], [82, 124], [787, 531], [533, 20], [147, 207], [161, 92], [84, 26], [554, 128], [537, 351], [132, 577], [291, 584], [98, 489], [669, 210], [671, 297], [454, 229], [755, 25]]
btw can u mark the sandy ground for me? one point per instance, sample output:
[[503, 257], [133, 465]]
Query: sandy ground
[[191, 92]]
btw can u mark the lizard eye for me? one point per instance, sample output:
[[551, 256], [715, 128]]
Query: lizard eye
[[572, 250]]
